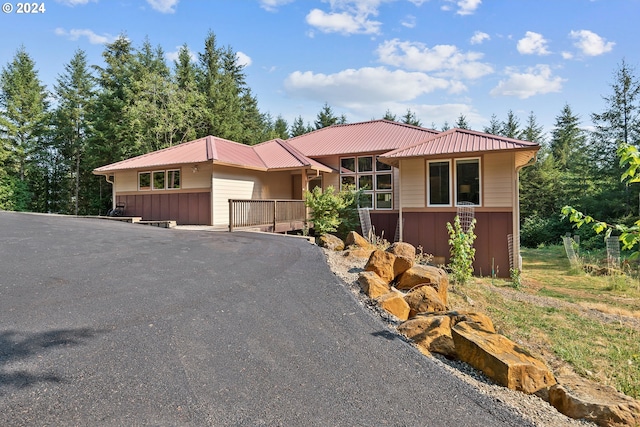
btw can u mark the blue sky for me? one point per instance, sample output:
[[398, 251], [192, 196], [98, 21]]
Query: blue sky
[[439, 58]]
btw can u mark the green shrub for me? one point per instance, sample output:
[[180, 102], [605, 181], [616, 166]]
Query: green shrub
[[331, 211], [462, 251]]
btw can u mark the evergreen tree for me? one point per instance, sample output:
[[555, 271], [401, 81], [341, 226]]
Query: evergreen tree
[[298, 127], [24, 120], [534, 132], [511, 126], [618, 124], [410, 118], [326, 117], [280, 127], [389, 116], [461, 123], [445, 127], [567, 138], [75, 95], [495, 127]]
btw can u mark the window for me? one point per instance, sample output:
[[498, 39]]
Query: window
[[371, 176], [158, 180], [144, 181], [468, 181], [173, 179], [439, 183]]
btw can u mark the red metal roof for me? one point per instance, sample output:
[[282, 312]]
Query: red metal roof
[[459, 141], [275, 154], [372, 136]]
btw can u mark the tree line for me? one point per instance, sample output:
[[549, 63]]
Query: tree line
[[51, 139]]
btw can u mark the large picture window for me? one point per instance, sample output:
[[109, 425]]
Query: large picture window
[[371, 176], [439, 183], [468, 181], [144, 181]]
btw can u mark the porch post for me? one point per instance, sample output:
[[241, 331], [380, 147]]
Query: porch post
[[400, 222]]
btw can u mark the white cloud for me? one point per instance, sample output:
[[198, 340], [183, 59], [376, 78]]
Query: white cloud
[[445, 60], [566, 55], [243, 59], [75, 34], [273, 5], [533, 44], [590, 43], [479, 37], [536, 80], [409, 21], [164, 6], [74, 2], [465, 7], [364, 85], [343, 22]]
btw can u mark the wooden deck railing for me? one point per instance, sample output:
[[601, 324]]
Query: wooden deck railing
[[270, 214]]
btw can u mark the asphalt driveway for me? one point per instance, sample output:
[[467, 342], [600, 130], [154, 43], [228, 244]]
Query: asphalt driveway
[[106, 323]]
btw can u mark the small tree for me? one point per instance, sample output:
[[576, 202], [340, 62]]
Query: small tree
[[325, 209], [331, 211], [462, 251]]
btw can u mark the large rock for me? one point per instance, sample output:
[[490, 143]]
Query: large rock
[[579, 398], [483, 321], [359, 253], [354, 239], [331, 242], [394, 303], [405, 257], [381, 263], [372, 285], [432, 334], [424, 299], [418, 274], [500, 359]]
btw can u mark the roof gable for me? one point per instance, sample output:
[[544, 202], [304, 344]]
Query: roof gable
[[372, 136], [274, 154], [459, 141]]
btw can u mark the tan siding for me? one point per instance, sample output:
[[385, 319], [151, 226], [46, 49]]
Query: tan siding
[[331, 179], [413, 182], [233, 183], [199, 179], [126, 181], [498, 179]]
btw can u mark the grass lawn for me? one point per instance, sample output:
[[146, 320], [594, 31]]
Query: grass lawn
[[589, 322]]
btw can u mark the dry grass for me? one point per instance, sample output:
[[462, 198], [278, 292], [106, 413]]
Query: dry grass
[[590, 324]]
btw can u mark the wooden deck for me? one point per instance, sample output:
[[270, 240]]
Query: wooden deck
[[273, 215]]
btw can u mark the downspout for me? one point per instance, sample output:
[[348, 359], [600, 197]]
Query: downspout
[[113, 190], [400, 223]]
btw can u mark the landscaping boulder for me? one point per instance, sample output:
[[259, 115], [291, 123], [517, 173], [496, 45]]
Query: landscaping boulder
[[424, 299], [431, 334], [331, 242], [354, 239], [579, 398], [483, 321], [358, 252], [500, 359], [381, 263], [372, 285], [394, 303], [418, 274], [405, 257]]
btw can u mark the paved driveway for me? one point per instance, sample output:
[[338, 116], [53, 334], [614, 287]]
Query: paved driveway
[[105, 323]]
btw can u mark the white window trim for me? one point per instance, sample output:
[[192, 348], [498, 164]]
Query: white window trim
[[455, 183], [166, 179], [451, 180], [153, 187], [150, 181], [374, 172]]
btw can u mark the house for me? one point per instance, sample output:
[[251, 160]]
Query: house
[[411, 175]]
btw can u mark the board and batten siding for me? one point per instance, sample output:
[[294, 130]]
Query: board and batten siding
[[413, 182], [127, 180], [498, 180]]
